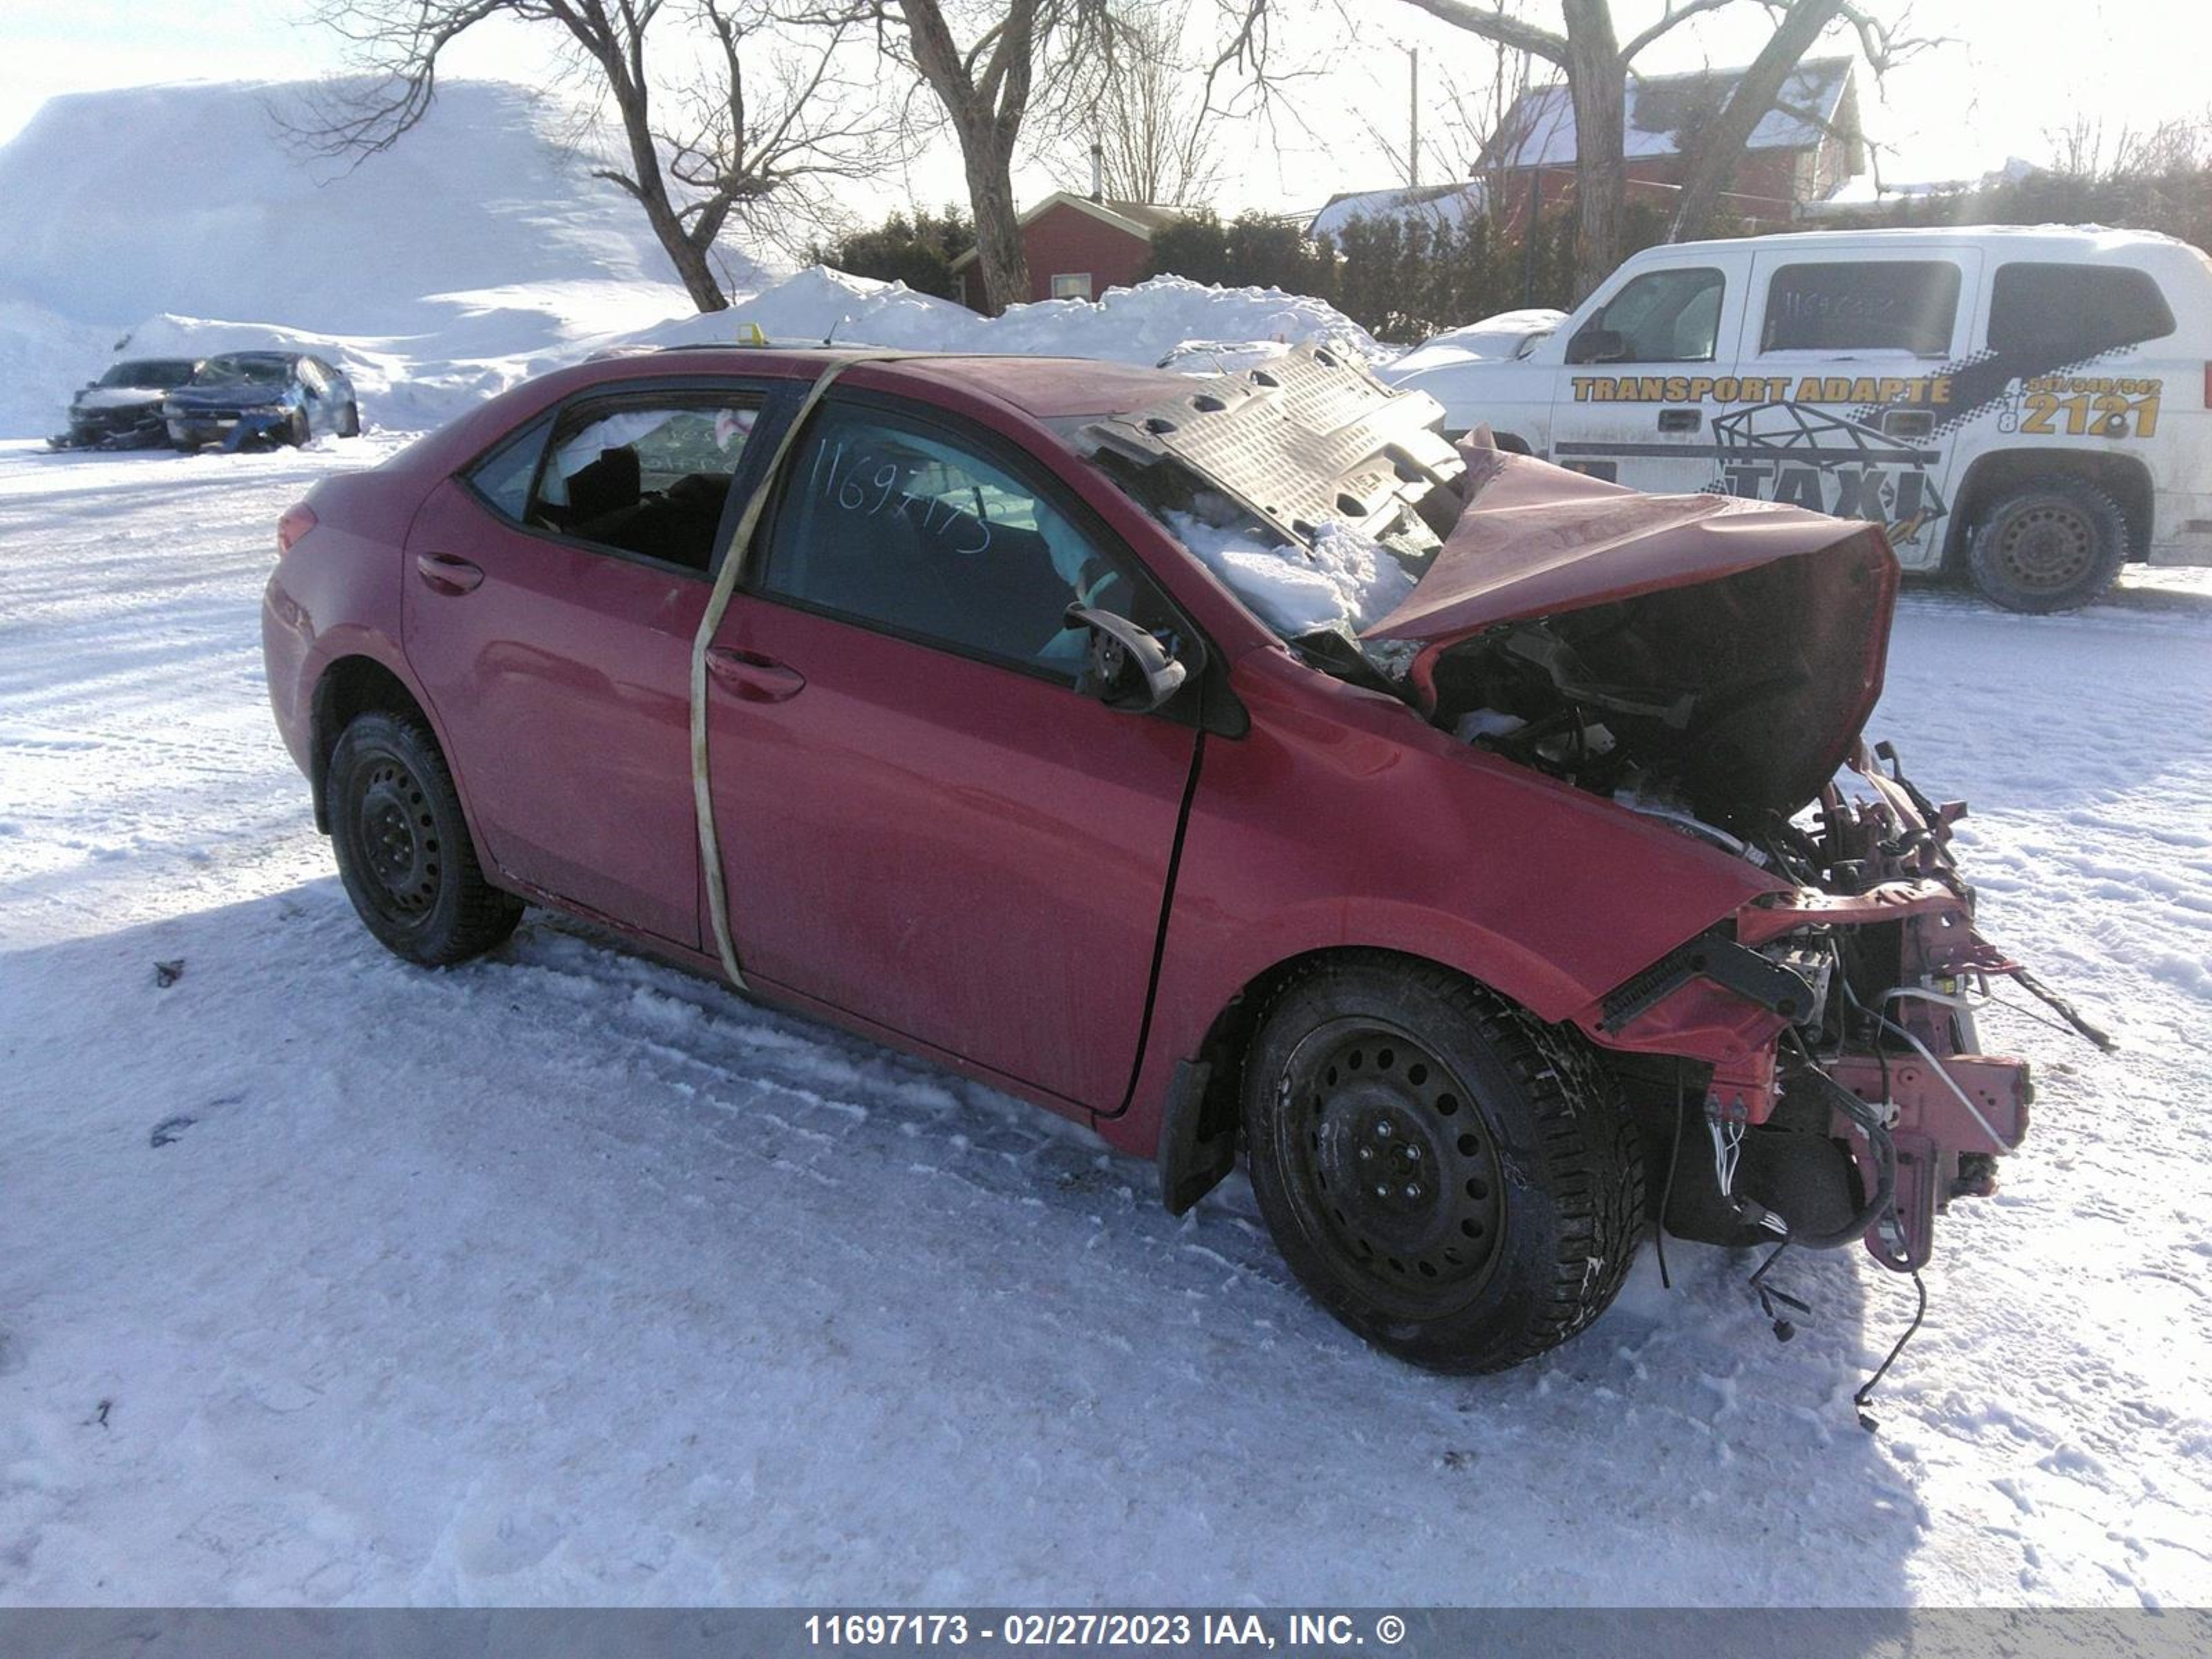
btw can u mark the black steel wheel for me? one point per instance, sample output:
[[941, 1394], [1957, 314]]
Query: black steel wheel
[[402, 845], [1400, 1178], [2053, 546], [1449, 1177], [349, 420]]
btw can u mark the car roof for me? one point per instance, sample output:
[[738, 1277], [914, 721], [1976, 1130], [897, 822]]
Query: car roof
[[2072, 240], [1044, 388]]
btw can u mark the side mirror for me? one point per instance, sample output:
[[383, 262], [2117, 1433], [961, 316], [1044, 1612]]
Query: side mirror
[[1592, 344], [1127, 668]]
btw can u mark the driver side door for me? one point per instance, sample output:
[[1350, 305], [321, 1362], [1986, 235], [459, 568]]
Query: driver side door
[[924, 823], [1649, 371]]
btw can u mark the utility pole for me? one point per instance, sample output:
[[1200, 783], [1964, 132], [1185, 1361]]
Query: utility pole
[[1413, 114]]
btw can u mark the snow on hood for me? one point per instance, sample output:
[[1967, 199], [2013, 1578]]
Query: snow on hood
[[119, 396], [1494, 339], [1343, 581]]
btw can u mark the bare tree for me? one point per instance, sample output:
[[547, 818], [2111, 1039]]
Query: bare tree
[[762, 117], [1154, 136], [2084, 149], [1595, 64]]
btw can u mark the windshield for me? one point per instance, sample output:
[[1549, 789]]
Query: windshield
[[1318, 496], [159, 373], [244, 371]]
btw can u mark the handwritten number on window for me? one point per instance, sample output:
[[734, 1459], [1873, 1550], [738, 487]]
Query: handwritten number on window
[[850, 488]]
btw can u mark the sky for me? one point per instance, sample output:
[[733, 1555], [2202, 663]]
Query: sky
[[2005, 74]]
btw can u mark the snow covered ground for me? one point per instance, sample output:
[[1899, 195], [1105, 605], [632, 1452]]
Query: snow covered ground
[[564, 1278]]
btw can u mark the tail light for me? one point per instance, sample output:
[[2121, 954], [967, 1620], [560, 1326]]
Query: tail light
[[298, 518]]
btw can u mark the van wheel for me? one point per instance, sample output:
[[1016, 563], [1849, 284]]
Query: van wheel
[[2051, 546], [1448, 1176], [402, 845]]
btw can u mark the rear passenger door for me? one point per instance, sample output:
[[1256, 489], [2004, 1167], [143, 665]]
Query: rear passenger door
[[553, 590], [1853, 359], [1635, 400]]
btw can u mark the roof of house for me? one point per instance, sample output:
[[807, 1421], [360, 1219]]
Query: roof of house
[[1539, 130], [1136, 219], [1440, 205]]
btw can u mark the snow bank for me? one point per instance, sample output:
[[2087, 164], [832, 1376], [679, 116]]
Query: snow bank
[[189, 199], [477, 251], [1156, 319]]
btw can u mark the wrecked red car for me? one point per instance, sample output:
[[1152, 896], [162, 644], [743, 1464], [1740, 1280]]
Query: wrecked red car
[[1490, 854]]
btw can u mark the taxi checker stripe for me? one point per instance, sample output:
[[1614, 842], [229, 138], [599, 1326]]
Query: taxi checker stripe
[[718, 601]]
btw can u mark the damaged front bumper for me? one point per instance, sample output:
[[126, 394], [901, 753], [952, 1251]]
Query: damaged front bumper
[[140, 430], [1828, 1037]]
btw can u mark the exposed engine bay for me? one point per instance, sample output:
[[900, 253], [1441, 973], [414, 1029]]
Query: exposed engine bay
[[1807, 1071]]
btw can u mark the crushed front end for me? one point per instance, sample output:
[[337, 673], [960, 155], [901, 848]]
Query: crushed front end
[[1827, 1083], [1806, 1069]]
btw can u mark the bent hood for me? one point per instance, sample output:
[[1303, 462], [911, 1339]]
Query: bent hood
[[1740, 643]]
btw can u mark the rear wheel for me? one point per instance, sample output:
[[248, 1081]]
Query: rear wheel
[[1448, 1176], [296, 430], [403, 845], [2051, 546], [349, 420]]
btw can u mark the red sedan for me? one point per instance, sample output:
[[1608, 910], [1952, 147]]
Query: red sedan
[[1225, 763]]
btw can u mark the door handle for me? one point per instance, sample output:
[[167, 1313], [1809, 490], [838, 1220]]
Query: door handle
[[1680, 420], [442, 572], [753, 677]]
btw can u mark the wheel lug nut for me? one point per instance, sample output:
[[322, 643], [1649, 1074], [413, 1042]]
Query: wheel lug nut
[[1381, 1191], [1367, 1154], [1382, 1129], [1413, 1191]]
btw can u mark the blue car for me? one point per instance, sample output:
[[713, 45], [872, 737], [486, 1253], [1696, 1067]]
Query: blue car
[[261, 396]]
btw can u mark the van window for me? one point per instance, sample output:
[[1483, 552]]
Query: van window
[[1885, 305], [2066, 312], [1662, 317]]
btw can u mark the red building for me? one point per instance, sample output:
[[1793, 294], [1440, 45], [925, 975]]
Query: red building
[[1078, 248], [1802, 151]]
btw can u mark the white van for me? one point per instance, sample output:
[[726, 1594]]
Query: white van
[[2028, 406]]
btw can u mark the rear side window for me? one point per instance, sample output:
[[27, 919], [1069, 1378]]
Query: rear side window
[[502, 478], [2064, 314], [1887, 305], [645, 476]]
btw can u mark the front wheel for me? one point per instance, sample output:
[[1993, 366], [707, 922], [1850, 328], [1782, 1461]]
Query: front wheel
[[403, 845], [2051, 546], [1448, 1176], [349, 420]]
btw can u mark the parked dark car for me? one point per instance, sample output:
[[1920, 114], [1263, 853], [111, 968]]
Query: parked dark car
[[264, 397], [1485, 931], [122, 410]]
